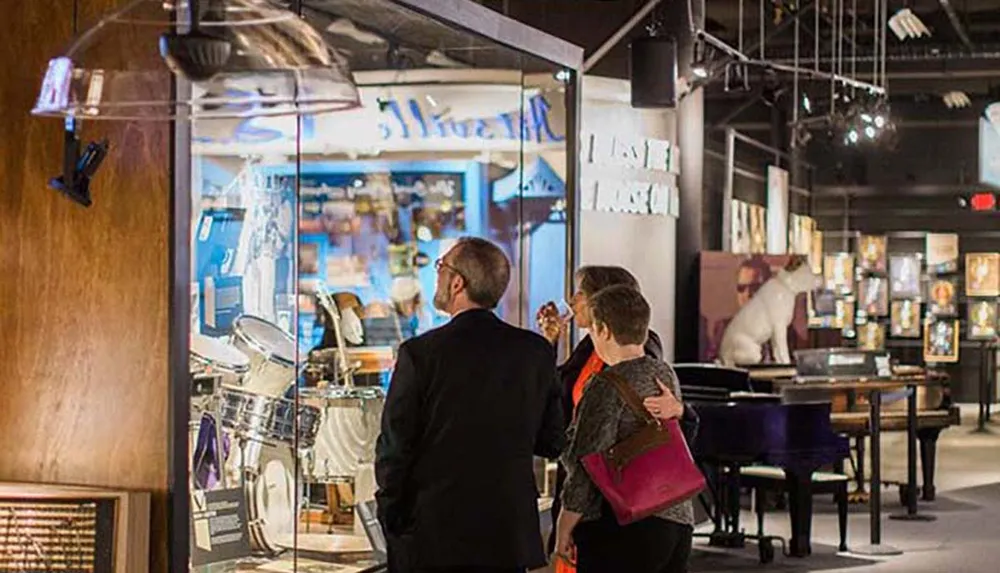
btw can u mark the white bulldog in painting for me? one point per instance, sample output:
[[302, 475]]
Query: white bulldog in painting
[[766, 317]]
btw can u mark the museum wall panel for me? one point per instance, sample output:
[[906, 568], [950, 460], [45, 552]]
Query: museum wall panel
[[83, 291]]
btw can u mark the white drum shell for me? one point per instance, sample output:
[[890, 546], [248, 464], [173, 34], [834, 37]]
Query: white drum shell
[[346, 439], [271, 353], [269, 482]]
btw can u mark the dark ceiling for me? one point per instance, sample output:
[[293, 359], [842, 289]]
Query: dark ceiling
[[921, 68]]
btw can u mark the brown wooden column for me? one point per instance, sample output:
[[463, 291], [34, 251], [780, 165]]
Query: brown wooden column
[[83, 292]]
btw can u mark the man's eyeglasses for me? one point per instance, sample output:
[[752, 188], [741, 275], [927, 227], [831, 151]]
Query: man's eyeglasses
[[442, 264]]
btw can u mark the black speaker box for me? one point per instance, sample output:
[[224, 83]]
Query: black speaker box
[[653, 72]]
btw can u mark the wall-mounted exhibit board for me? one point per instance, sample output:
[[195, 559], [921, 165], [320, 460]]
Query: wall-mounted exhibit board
[[83, 291]]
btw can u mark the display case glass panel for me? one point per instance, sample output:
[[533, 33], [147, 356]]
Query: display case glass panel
[[314, 241]]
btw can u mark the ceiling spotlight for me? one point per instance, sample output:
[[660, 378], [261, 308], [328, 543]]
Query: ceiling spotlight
[[852, 136], [905, 24], [806, 104], [956, 99], [699, 67]]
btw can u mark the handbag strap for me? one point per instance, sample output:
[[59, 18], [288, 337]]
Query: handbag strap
[[631, 397]]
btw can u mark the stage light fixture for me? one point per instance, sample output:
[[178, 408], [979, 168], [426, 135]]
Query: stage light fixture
[[956, 99]]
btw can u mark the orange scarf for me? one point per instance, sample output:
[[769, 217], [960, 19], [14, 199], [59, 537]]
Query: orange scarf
[[591, 367]]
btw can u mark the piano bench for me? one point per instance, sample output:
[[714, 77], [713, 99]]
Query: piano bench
[[762, 479]]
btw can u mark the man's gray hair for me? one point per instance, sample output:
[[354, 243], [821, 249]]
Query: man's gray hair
[[485, 269]]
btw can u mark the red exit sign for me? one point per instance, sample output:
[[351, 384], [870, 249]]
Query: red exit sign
[[983, 202]]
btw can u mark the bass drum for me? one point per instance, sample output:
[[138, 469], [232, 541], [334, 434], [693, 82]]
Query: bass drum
[[347, 434], [269, 483]]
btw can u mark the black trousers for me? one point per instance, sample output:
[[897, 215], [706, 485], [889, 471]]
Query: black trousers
[[652, 545]]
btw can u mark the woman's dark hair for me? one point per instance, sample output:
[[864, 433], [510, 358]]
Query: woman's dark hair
[[593, 278], [624, 311]]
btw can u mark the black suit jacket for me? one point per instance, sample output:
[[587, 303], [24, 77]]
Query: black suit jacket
[[469, 406]]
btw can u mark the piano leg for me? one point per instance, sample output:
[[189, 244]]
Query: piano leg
[[800, 510], [928, 460]]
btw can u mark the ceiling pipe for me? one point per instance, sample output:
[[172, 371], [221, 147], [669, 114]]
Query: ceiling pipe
[[593, 59], [956, 23]]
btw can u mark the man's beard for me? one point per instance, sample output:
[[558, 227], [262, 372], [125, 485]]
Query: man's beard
[[442, 300]]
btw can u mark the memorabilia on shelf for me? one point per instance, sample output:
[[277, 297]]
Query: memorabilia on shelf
[[800, 234], [740, 227], [873, 296], [347, 272], [822, 309], [872, 253], [904, 276], [816, 252], [308, 259], [941, 341], [845, 317], [838, 273], [871, 336], [758, 229], [982, 319], [942, 297], [982, 274], [942, 253], [905, 319]]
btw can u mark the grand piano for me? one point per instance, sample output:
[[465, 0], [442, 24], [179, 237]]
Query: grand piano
[[739, 427]]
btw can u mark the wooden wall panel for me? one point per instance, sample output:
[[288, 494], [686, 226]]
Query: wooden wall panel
[[83, 292]]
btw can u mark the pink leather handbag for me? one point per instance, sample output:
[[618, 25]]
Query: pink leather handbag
[[647, 472]]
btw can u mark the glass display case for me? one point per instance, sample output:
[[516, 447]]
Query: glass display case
[[313, 248]]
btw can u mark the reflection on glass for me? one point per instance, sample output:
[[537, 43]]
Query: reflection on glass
[[314, 248]]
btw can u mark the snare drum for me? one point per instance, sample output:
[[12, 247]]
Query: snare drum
[[271, 352], [347, 434], [211, 356], [268, 420]]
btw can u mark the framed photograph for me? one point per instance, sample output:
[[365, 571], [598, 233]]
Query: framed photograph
[[904, 276], [873, 296], [904, 321], [941, 341], [871, 336], [942, 253], [838, 273], [816, 252], [942, 297], [740, 227], [872, 253], [758, 229], [845, 317], [982, 319], [982, 274]]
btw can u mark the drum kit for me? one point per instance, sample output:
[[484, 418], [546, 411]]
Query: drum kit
[[246, 432]]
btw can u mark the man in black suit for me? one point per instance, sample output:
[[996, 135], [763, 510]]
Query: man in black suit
[[469, 406]]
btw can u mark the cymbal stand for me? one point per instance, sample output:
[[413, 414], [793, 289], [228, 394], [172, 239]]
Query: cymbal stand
[[331, 308], [876, 548]]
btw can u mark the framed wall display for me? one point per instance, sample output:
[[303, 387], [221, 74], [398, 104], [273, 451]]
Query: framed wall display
[[758, 229], [905, 319], [872, 253], [904, 276], [846, 317], [942, 297], [800, 234], [816, 252], [982, 319], [941, 341], [942, 253], [982, 274], [838, 272], [873, 296], [871, 336], [740, 231]]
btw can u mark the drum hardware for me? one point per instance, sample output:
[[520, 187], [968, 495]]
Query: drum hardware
[[327, 302]]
